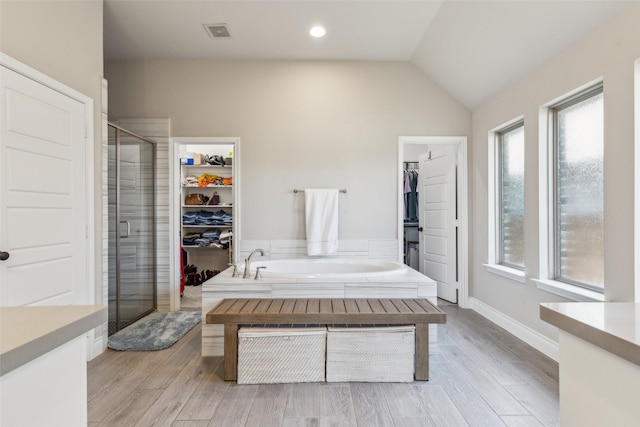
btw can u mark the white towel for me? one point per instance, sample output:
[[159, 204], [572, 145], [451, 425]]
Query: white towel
[[321, 219]]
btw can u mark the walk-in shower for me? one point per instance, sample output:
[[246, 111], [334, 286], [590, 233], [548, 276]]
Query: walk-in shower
[[132, 227]]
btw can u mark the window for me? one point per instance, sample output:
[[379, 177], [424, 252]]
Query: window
[[510, 196], [506, 201], [577, 251]]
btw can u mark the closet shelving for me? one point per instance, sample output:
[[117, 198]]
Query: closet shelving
[[225, 193]]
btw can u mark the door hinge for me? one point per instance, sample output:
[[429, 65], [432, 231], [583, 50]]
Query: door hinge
[[86, 131]]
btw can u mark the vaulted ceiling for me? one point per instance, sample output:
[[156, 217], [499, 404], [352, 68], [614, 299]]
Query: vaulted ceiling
[[471, 48]]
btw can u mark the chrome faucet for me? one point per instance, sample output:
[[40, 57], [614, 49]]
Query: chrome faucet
[[247, 263]]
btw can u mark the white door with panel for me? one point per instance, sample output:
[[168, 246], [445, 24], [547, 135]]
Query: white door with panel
[[438, 219], [43, 198]]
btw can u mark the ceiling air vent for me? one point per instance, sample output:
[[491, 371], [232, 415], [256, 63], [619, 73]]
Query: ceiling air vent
[[217, 31]]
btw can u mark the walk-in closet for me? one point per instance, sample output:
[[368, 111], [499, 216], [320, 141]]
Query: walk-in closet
[[205, 172]]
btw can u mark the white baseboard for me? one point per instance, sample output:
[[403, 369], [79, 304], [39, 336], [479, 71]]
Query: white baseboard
[[525, 333]]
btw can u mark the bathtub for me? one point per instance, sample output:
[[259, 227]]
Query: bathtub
[[314, 278], [329, 268]]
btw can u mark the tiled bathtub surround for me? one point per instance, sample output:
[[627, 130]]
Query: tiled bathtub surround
[[407, 284], [386, 249]]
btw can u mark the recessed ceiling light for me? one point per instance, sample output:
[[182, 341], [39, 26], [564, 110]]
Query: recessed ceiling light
[[317, 31]]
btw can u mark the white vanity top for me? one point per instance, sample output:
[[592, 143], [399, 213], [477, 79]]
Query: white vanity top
[[612, 326], [29, 332]]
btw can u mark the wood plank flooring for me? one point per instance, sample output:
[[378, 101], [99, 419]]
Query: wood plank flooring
[[482, 376]]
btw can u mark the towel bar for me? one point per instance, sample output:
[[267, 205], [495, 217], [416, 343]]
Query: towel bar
[[295, 190]]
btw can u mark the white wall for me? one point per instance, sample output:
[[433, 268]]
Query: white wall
[[302, 125], [63, 39], [609, 53]]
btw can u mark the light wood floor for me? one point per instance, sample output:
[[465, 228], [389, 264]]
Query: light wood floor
[[192, 298], [482, 376]]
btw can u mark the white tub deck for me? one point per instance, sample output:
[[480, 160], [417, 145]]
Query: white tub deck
[[340, 268], [405, 284]]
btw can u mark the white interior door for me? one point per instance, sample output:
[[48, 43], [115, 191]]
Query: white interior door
[[43, 199], [437, 196]]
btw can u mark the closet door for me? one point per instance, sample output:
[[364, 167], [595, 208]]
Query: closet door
[[43, 201], [438, 220]]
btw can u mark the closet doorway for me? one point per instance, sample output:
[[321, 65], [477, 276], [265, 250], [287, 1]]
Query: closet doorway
[[432, 211], [205, 226], [132, 227]]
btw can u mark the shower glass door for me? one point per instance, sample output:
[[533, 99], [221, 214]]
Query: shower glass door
[[132, 265]]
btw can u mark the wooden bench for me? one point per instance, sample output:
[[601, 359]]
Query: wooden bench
[[343, 311]]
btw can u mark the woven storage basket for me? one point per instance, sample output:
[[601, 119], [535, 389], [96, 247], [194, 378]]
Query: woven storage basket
[[281, 355], [371, 354]]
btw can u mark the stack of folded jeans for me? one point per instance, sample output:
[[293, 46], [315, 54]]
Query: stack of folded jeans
[[207, 218], [210, 237], [189, 218], [190, 239]]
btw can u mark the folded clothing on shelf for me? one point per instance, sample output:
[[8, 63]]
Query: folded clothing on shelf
[[207, 179], [208, 238], [207, 218], [190, 180]]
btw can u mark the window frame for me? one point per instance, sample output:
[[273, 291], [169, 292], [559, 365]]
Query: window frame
[[554, 111], [547, 155], [492, 265], [499, 171]]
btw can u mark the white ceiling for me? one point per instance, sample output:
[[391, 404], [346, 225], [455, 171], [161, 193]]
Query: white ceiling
[[472, 48]]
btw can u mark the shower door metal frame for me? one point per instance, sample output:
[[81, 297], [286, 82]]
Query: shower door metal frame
[[119, 130]]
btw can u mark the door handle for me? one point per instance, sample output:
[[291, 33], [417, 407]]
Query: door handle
[[4, 256], [420, 229], [128, 229]]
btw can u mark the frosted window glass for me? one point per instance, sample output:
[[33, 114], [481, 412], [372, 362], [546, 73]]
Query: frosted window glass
[[511, 187], [580, 193]]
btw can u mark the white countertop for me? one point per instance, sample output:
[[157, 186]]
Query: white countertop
[[612, 326], [29, 332]]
